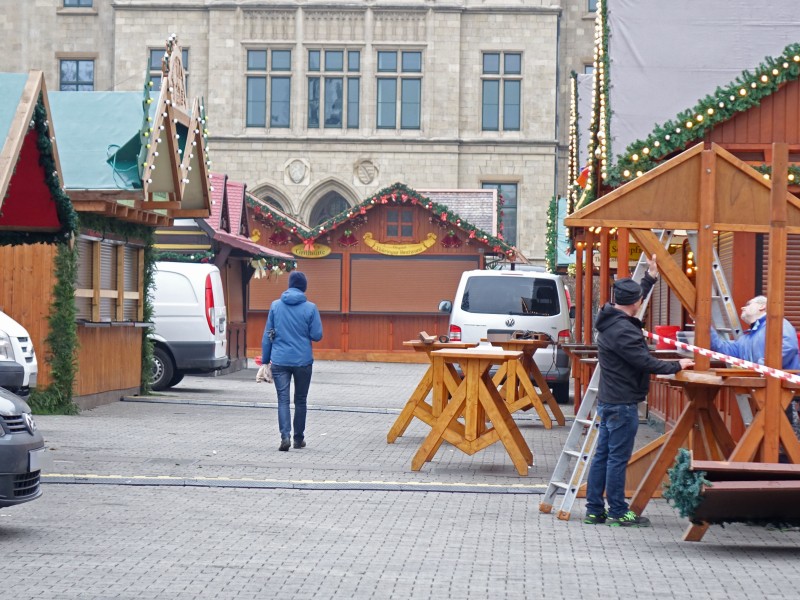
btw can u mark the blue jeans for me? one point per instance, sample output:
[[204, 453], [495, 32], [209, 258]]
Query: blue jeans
[[282, 376], [618, 426]]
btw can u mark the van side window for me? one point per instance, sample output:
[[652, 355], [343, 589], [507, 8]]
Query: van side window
[[511, 296]]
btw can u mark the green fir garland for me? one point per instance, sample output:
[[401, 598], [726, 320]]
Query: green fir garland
[[551, 242], [397, 193], [685, 485], [62, 339]]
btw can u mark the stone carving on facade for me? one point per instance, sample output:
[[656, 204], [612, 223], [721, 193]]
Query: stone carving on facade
[[269, 24], [296, 171], [334, 25], [366, 172]]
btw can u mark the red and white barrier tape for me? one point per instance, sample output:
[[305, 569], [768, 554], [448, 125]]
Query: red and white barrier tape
[[729, 359]]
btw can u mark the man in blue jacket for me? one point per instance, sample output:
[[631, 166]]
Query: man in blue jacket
[[752, 343], [293, 323], [625, 368], [751, 346]]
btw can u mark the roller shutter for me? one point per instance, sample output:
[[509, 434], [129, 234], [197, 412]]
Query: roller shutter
[[791, 307], [324, 285], [404, 285]]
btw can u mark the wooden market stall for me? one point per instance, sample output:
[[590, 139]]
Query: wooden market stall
[[224, 240], [37, 220], [377, 271], [91, 312], [711, 190]]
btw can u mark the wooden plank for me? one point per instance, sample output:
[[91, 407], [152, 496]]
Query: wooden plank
[[96, 281], [12, 145], [777, 273], [120, 312], [670, 271]]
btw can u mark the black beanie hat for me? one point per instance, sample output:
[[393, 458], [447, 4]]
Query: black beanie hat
[[298, 280], [626, 291]]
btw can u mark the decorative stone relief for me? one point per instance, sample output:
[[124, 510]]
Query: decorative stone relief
[[365, 172], [296, 171]]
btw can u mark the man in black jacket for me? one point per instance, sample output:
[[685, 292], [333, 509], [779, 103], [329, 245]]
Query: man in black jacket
[[626, 365]]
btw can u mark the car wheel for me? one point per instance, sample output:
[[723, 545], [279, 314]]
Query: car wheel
[[163, 370], [560, 392], [176, 379]]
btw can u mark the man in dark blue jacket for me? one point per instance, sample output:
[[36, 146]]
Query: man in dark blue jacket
[[293, 323], [626, 365]]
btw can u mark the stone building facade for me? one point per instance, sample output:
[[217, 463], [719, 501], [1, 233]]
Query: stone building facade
[[317, 105]]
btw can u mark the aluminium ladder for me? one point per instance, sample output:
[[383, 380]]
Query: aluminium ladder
[[582, 450]]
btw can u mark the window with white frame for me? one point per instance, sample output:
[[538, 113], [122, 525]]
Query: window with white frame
[[508, 194], [77, 3], [154, 65], [501, 91], [334, 88], [76, 75], [399, 89], [269, 86], [591, 5]]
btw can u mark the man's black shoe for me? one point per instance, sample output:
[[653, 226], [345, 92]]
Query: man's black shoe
[[300, 444], [285, 443]]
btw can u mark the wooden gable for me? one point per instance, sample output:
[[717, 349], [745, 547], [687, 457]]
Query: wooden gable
[[31, 199], [668, 197]]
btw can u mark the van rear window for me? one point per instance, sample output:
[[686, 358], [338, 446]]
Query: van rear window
[[511, 296]]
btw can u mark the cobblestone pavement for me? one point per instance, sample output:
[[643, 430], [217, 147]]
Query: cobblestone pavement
[[184, 495]]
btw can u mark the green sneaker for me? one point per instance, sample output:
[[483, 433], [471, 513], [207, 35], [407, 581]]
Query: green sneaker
[[596, 519], [629, 519]]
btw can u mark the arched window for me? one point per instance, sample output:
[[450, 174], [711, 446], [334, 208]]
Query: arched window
[[273, 202], [329, 205]]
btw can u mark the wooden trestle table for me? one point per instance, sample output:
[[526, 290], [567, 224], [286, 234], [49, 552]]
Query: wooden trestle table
[[518, 389], [473, 397], [417, 405]]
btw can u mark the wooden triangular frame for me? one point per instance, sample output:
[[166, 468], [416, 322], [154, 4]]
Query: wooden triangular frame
[[161, 170], [194, 171], [24, 114]]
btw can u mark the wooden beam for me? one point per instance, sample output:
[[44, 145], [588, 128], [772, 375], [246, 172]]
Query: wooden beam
[[672, 273], [120, 250], [605, 273], [704, 256], [95, 281], [12, 146], [773, 356], [623, 248], [80, 196]]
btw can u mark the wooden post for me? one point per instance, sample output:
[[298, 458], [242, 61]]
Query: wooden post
[[623, 249], [588, 289], [704, 256], [776, 286], [578, 333], [605, 259]]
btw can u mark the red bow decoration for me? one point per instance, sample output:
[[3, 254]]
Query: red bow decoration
[[308, 245], [471, 234], [363, 210], [444, 216]]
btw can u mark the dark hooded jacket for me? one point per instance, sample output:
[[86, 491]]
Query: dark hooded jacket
[[625, 361]]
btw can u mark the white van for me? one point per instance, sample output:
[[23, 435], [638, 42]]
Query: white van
[[18, 366], [190, 318], [504, 301]]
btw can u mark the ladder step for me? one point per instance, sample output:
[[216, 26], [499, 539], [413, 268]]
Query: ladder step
[[584, 421], [574, 453], [560, 484], [592, 389]]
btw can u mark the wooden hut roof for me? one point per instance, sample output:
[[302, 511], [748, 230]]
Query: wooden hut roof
[[394, 194], [33, 207], [668, 197]]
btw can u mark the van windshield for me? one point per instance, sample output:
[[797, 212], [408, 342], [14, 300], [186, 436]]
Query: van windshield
[[511, 296]]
